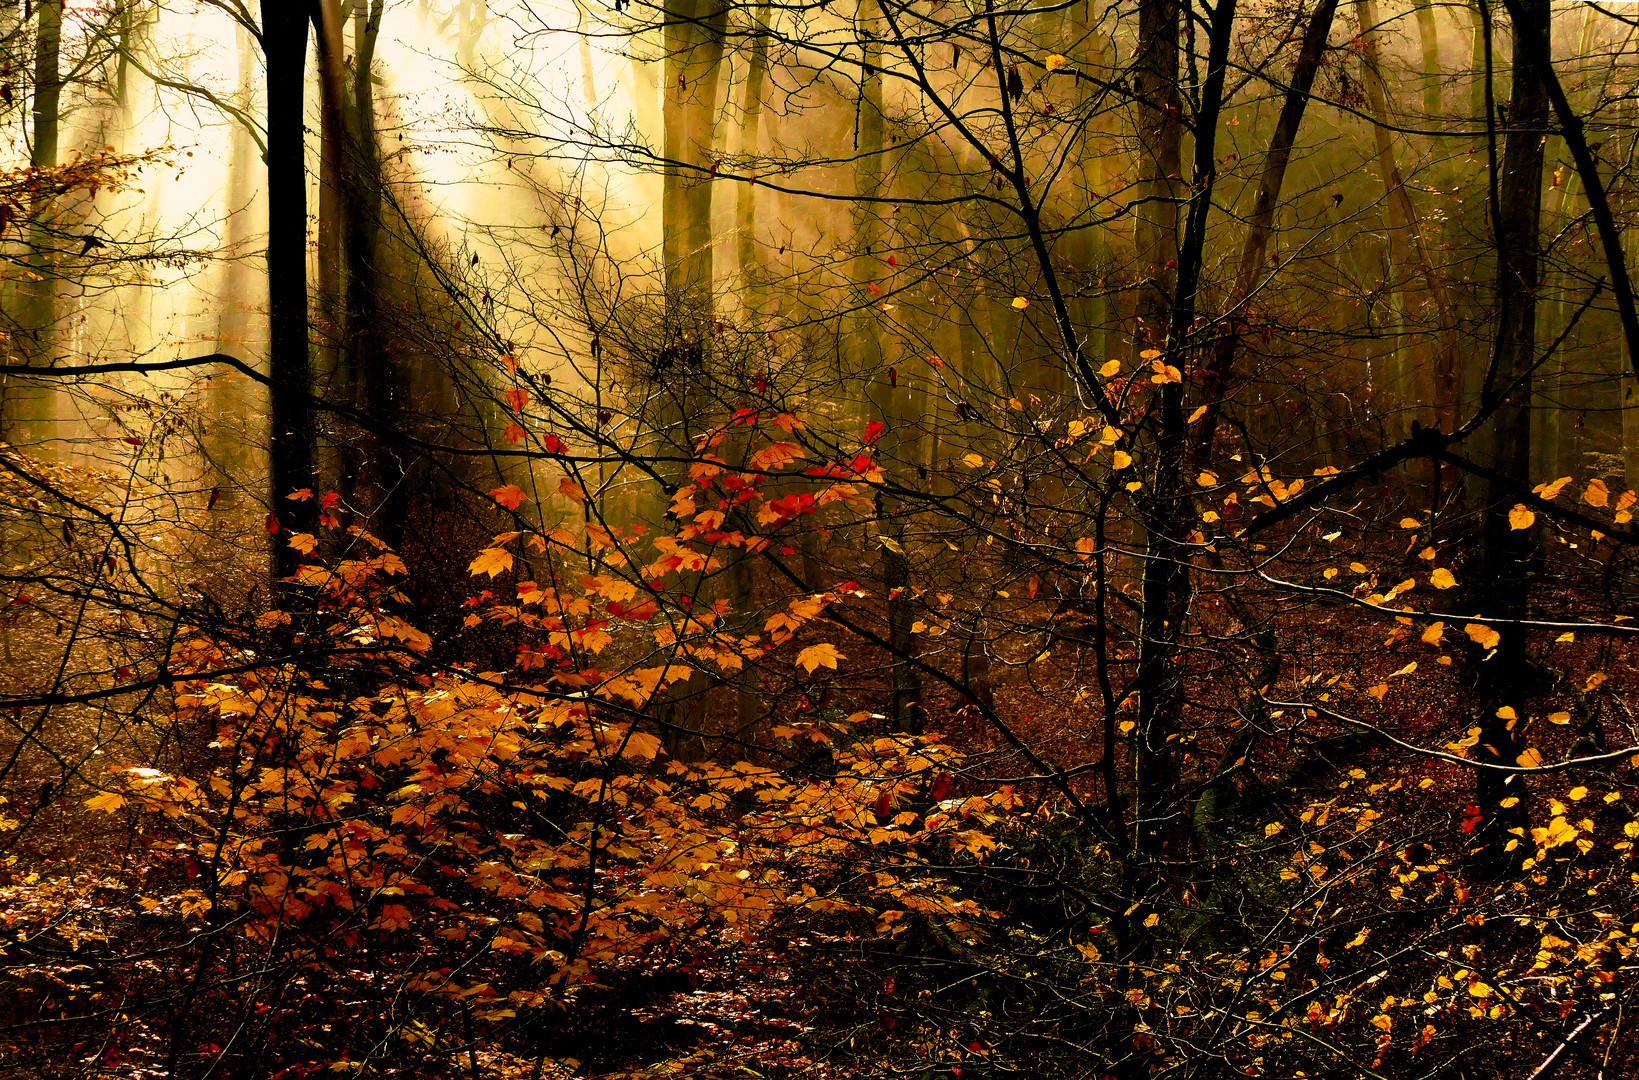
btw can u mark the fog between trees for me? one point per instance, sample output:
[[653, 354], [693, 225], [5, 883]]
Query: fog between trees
[[817, 539]]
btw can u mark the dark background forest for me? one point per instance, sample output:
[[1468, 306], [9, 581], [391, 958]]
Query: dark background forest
[[853, 538]]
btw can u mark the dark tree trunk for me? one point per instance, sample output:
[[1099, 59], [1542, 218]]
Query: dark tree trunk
[[1505, 677], [284, 45]]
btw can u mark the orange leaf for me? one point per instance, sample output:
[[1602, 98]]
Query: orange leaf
[[510, 496], [815, 657]]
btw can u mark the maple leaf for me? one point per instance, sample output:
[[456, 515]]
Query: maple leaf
[[491, 561], [514, 434], [570, 488], [815, 657], [110, 801], [510, 496], [517, 398], [303, 542]]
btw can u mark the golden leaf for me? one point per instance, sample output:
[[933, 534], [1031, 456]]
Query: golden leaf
[[1442, 578], [815, 657], [1020, 303], [491, 561], [1596, 494], [1520, 517]]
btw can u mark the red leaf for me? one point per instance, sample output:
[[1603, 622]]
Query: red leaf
[[874, 430], [1471, 818], [553, 445], [517, 398], [510, 496], [272, 525], [941, 787], [514, 434], [883, 805]]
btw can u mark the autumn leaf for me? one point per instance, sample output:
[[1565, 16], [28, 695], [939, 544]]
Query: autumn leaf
[[1434, 634], [1442, 579], [1020, 303], [1121, 460], [1053, 61], [1482, 635], [517, 398], [510, 496], [1551, 491], [492, 561], [515, 434], [571, 489], [1520, 517], [110, 801], [303, 542], [815, 657], [1410, 523], [1596, 494], [1111, 369]]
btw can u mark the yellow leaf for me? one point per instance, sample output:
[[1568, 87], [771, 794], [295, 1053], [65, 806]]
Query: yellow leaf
[[1383, 1022], [491, 561], [1122, 459], [1111, 369], [1410, 523], [1378, 691], [1520, 517], [1482, 635], [815, 657], [1560, 718], [1149, 354], [1200, 411], [1206, 479], [108, 800], [1530, 758], [1054, 61], [1442, 578], [1020, 303], [1479, 989], [1577, 794], [304, 542], [1125, 726], [1272, 828], [1596, 494], [973, 461], [1565, 638], [1507, 713], [1434, 634], [1550, 491], [1151, 919]]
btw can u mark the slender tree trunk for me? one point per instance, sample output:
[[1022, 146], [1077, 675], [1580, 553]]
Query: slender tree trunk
[[1261, 226], [1164, 579], [284, 44], [1421, 382], [1504, 679], [26, 410]]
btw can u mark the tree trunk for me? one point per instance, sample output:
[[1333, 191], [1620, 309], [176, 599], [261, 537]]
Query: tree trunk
[[26, 411], [1504, 678], [284, 44], [1261, 226]]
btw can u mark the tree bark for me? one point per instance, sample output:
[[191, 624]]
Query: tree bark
[[284, 46]]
